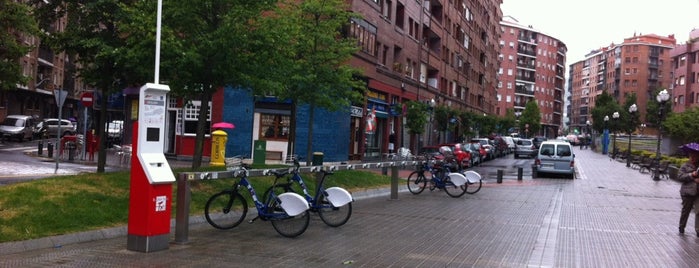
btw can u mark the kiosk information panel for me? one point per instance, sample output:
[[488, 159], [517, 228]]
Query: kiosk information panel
[[151, 177]]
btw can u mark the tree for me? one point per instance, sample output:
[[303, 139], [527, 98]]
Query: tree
[[531, 117], [506, 123], [16, 22], [684, 126], [96, 34], [604, 106], [629, 121], [416, 117], [652, 109], [318, 48]]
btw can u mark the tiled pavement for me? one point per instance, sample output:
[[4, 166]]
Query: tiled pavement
[[610, 216]]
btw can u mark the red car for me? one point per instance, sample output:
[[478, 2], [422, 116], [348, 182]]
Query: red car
[[462, 156]]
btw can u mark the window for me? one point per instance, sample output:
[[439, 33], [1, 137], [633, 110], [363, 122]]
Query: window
[[191, 116], [274, 127], [365, 34]]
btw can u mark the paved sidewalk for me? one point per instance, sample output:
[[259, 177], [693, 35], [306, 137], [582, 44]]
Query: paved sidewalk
[[611, 216]]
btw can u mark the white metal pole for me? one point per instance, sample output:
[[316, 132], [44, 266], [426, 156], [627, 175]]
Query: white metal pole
[[157, 43]]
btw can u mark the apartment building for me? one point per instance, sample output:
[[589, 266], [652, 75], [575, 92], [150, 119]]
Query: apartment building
[[532, 68], [640, 65], [685, 69], [441, 50]]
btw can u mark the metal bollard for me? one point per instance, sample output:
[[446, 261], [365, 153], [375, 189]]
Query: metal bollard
[[41, 148], [499, 175], [50, 150], [71, 151], [519, 173]]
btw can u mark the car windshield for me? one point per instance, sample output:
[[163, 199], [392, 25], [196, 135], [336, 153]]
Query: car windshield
[[13, 122]]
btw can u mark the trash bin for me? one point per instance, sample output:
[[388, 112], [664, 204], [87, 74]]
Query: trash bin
[[259, 152], [317, 158]]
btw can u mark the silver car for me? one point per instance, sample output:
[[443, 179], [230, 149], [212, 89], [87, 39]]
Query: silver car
[[555, 157], [50, 128], [17, 126], [525, 147]]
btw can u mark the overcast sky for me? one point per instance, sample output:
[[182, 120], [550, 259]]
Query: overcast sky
[[591, 24]]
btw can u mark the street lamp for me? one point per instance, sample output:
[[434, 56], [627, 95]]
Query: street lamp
[[632, 110], [605, 138], [615, 115], [642, 127], [662, 98]]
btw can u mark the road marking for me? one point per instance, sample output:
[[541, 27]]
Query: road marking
[[24, 148], [544, 253]]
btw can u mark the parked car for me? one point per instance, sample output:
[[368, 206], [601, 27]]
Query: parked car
[[482, 152], [49, 128], [525, 147], [485, 143], [461, 154], [474, 149], [555, 157], [19, 127], [510, 143], [430, 151], [538, 140], [114, 130], [499, 145]]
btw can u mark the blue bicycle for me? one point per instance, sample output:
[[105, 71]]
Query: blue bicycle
[[333, 205], [441, 177], [288, 212]]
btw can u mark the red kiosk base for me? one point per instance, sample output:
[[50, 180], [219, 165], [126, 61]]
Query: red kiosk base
[[149, 207]]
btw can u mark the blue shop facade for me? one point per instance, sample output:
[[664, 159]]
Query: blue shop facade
[[357, 132]]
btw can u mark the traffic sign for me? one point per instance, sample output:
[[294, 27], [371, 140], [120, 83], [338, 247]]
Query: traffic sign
[[87, 99]]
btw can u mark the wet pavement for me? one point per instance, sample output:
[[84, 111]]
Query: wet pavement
[[610, 216]]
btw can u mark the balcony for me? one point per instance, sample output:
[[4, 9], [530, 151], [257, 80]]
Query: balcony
[[45, 56]]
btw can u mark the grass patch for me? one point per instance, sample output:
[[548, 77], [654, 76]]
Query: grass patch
[[75, 203]]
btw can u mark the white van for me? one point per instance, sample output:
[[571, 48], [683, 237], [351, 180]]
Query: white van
[[555, 157]]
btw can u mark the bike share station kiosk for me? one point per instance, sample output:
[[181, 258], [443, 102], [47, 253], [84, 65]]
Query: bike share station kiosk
[[150, 193]]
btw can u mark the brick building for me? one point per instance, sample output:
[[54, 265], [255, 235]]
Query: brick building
[[532, 68], [640, 65], [685, 67]]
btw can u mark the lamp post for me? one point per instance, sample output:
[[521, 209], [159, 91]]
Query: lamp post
[[615, 115], [632, 110], [605, 138], [642, 127], [662, 98]]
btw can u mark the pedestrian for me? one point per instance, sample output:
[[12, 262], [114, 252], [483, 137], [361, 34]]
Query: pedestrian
[[391, 142], [689, 177]]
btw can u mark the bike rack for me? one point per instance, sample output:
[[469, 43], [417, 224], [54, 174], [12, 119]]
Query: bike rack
[[184, 191]]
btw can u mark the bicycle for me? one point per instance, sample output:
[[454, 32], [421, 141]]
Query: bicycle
[[288, 212], [333, 205], [474, 181], [454, 184]]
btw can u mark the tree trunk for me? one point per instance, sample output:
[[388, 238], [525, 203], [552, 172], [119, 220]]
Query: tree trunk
[[201, 127]]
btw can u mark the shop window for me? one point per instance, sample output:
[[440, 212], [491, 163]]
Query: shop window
[[191, 117], [274, 127]]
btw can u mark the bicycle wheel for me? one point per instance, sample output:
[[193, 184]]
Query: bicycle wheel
[[473, 188], [453, 190], [288, 226], [225, 210], [416, 182], [333, 216]]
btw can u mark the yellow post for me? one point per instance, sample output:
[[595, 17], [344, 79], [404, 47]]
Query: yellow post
[[218, 148]]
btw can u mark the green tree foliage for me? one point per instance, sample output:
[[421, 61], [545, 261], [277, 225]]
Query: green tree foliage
[[507, 122], [416, 117], [604, 106], [96, 36], [15, 22], [628, 121], [684, 126], [315, 50], [530, 116], [652, 109]]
